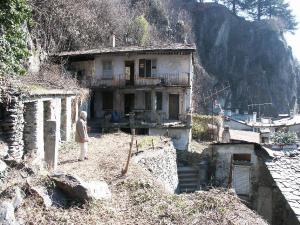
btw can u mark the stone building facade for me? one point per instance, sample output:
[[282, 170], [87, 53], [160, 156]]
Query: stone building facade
[[154, 83]]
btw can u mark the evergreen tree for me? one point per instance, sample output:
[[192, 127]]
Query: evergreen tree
[[234, 5], [276, 9]]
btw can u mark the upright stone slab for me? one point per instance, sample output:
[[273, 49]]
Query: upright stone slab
[[51, 144]]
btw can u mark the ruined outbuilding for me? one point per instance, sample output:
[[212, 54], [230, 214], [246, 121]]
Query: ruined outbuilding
[[34, 123]]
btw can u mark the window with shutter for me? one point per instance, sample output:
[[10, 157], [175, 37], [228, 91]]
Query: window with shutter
[[158, 101], [147, 100], [107, 68], [147, 68], [142, 68]]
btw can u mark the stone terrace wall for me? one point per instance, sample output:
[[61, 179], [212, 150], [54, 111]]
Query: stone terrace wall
[[161, 162]]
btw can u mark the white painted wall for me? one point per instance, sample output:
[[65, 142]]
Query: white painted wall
[[181, 137], [166, 64], [223, 160]]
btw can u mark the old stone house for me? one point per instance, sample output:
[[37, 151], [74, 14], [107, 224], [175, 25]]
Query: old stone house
[[153, 83], [266, 179]]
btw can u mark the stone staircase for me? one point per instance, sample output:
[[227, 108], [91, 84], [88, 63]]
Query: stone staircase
[[188, 179]]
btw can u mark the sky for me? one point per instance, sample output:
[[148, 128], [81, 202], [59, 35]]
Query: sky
[[294, 40]]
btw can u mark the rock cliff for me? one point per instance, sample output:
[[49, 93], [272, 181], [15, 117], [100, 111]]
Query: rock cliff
[[252, 56]]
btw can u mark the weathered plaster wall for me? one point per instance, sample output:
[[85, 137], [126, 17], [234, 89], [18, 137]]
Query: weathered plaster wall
[[181, 137], [165, 64], [184, 101], [162, 164], [222, 160]]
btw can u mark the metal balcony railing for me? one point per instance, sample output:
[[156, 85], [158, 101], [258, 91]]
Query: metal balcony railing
[[167, 79]]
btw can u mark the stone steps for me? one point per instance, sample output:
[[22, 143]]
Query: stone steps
[[188, 179]]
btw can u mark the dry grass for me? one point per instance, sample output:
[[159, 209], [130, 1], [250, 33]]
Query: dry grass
[[136, 198]]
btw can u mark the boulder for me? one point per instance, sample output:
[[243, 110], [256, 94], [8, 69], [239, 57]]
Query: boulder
[[18, 198], [77, 189], [41, 192], [7, 213], [99, 190]]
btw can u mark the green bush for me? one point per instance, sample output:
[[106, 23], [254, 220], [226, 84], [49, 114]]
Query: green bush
[[14, 16], [282, 137], [200, 129], [140, 28]]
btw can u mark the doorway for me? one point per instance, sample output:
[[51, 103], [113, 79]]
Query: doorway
[[128, 103], [129, 72], [241, 179], [173, 106]]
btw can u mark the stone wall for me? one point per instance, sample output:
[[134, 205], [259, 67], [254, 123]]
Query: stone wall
[[12, 127], [161, 162], [270, 202], [181, 137]]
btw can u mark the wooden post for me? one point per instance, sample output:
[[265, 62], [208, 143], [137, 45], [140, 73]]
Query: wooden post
[[124, 171], [152, 144], [229, 185], [137, 147]]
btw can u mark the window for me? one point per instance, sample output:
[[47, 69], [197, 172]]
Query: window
[[242, 157], [107, 68], [147, 68], [80, 75], [158, 101], [107, 99], [147, 100]]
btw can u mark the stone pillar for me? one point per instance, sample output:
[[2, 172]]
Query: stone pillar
[[33, 129], [51, 144], [12, 128], [65, 119]]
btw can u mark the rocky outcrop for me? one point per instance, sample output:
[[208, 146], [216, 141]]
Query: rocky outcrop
[[161, 162], [79, 190], [253, 56]]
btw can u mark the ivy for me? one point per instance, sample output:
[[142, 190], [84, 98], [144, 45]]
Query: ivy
[[14, 16]]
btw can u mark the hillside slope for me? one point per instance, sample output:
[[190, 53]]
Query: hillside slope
[[137, 198], [253, 56]]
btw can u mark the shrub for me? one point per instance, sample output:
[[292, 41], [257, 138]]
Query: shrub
[[282, 137], [14, 16], [200, 128]]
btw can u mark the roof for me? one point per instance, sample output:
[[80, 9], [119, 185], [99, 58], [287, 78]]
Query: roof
[[166, 49], [285, 170], [247, 136], [290, 121]]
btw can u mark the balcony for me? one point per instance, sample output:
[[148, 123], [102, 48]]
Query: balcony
[[120, 81]]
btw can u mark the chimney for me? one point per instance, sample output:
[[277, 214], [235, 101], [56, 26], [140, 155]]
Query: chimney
[[226, 135], [254, 117], [113, 40]]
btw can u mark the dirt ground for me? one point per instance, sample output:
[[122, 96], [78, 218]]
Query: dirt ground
[[136, 198]]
